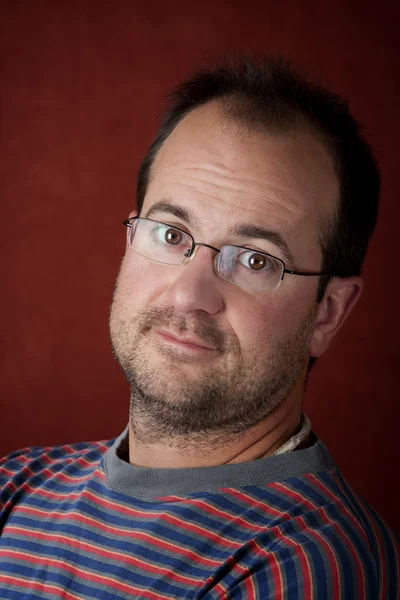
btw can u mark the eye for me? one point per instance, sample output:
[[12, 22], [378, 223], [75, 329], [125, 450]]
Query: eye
[[255, 261], [169, 235], [173, 236]]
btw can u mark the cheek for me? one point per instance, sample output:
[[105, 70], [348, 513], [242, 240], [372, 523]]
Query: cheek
[[257, 322], [140, 280], [254, 321]]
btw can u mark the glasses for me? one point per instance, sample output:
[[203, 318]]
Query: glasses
[[249, 269]]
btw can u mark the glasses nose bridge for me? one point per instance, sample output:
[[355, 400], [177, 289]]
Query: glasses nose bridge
[[190, 253]]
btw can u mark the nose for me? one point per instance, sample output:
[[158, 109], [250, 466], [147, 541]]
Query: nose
[[197, 285]]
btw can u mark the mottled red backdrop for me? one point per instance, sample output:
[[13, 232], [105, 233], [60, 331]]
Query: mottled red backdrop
[[80, 92]]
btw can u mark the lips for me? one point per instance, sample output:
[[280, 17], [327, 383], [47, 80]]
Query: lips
[[186, 340]]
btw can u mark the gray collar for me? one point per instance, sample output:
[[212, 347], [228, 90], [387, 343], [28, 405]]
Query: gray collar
[[150, 484]]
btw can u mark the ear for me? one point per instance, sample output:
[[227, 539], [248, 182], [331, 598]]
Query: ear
[[340, 297]]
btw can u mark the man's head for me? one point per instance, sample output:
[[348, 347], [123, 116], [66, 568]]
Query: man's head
[[272, 96], [243, 147]]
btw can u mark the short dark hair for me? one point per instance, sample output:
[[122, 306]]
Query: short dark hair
[[272, 94]]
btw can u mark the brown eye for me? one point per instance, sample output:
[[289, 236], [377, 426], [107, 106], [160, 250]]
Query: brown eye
[[257, 262], [173, 237]]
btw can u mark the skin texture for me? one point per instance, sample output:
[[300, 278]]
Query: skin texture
[[235, 395]]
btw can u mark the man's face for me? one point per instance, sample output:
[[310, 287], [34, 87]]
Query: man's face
[[249, 351]]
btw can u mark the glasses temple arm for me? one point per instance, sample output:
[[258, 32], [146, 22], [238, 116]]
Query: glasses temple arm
[[308, 274]]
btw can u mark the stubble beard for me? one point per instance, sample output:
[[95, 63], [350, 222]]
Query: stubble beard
[[230, 396]]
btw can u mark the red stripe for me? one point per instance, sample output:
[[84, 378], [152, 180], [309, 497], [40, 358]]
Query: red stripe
[[65, 595], [328, 549], [396, 547], [215, 586], [244, 572], [276, 575], [62, 539], [343, 508], [339, 500], [100, 445], [306, 579], [249, 586], [109, 554], [119, 556], [251, 501], [378, 537], [212, 510], [172, 520], [48, 495], [45, 493], [8, 472], [64, 566], [40, 587], [63, 460], [299, 498], [146, 537], [54, 475], [9, 505], [381, 566], [330, 555], [67, 541]]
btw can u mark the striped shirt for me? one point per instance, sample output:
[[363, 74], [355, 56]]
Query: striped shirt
[[80, 522]]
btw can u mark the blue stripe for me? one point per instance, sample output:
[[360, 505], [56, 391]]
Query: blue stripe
[[120, 571], [133, 547], [63, 581], [335, 511], [314, 554]]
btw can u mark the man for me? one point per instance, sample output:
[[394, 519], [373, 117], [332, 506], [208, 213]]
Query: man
[[255, 205]]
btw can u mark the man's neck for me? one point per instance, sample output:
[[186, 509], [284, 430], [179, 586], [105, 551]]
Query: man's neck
[[259, 442]]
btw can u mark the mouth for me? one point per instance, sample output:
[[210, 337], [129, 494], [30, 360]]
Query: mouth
[[188, 342]]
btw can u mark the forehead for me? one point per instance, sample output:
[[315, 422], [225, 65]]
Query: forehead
[[226, 173]]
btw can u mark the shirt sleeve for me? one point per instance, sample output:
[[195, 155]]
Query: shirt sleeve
[[302, 562]]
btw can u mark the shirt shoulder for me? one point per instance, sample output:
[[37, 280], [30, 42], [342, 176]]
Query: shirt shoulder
[[330, 541], [25, 470]]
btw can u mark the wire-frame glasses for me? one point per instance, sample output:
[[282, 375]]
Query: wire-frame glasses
[[247, 268]]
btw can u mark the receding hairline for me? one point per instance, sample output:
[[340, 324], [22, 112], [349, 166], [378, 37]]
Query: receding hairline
[[233, 111]]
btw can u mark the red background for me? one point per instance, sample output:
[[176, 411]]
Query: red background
[[81, 87]]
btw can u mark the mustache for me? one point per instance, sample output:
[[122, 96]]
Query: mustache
[[202, 326]]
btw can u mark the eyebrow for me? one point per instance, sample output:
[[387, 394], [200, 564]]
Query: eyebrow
[[173, 209], [256, 232], [244, 229]]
